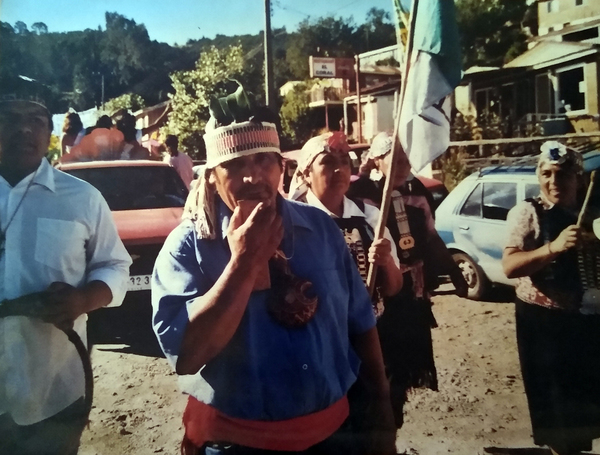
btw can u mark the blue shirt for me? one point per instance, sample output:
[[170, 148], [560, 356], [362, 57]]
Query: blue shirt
[[268, 371]]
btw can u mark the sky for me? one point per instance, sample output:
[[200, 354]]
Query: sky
[[176, 21]]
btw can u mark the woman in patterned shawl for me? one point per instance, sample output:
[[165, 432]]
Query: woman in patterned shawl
[[559, 347]]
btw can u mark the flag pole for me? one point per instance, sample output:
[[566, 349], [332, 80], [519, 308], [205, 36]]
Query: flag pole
[[388, 188]]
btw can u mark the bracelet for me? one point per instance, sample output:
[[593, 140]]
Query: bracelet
[[549, 249]]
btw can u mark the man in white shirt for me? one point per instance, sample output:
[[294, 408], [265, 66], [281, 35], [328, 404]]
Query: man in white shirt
[[60, 257], [182, 163]]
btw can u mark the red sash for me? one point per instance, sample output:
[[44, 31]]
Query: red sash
[[203, 423]]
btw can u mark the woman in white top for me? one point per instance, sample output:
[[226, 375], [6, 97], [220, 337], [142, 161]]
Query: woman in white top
[[322, 179]]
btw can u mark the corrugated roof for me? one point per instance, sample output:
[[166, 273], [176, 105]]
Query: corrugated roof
[[548, 53]]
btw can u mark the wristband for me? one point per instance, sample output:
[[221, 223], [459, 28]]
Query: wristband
[[549, 249]]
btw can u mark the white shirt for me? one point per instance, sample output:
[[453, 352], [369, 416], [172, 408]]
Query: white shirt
[[183, 164], [62, 231], [350, 209]]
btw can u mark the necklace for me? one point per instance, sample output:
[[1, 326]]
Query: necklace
[[12, 217]]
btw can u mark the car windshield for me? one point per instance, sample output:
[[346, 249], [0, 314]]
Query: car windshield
[[135, 188]]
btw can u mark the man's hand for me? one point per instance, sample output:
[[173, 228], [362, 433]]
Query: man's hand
[[60, 304], [566, 239], [256, 239], [63, 304], [380, 252]]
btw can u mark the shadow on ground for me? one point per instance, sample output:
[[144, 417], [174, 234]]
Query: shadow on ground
[[517, 450], [520, 451], [129, 325]]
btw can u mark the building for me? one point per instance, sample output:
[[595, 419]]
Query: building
[[569, 20], [554, 85]]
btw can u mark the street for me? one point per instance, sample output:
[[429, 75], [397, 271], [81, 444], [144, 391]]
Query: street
[[481, 406]]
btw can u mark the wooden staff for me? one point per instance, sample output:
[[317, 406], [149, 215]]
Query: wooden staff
[[388, 188], [586, 201]]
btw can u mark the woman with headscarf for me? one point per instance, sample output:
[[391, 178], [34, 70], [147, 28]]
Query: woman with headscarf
[[322, 180], [559, 347], [405, 327]]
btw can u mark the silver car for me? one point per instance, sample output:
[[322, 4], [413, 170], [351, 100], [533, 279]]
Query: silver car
[[472, 219]]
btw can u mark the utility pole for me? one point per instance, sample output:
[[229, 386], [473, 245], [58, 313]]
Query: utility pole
[[358, 103], [102, 98], [269, 80]]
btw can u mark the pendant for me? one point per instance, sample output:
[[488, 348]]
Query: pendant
[[292, 300], [406, 242]]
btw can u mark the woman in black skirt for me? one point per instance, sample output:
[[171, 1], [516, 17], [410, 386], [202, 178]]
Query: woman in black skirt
[[405, 325], [559, 347]]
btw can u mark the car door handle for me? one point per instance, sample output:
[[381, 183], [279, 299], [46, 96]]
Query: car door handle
[[464, 228]]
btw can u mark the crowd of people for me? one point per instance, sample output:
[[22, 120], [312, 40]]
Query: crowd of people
[[118, 138], [260, 303]]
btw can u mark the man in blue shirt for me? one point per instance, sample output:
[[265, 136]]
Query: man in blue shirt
[[260, 309]]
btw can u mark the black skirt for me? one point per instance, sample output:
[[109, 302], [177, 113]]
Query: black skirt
[[559, 353], [405, 336]]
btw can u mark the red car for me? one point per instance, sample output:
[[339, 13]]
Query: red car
[[146, 199]]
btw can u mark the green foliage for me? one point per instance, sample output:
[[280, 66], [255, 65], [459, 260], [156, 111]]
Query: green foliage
[[53, 154], [193, 90], [337, 37], [453, 167], [125, 47], [324, 37], [128, 101], [491, 30], [298, 122]]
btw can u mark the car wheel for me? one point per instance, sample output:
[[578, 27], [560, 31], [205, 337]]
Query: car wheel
[[474, 276]]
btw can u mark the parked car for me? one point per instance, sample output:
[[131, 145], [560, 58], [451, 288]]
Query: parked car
[[472, 219], [146, 199]]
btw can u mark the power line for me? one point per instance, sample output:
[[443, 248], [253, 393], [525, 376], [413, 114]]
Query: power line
[[287, 8], [346, 6]]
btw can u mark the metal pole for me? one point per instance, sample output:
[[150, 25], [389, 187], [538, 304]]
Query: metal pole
[[269, 92], [102, 97], [358, 103]]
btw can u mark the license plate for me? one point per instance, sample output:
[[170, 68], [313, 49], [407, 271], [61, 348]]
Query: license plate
[[139, 283]]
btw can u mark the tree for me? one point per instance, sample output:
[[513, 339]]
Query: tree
[[325, 37], [298, 121], [125, 48], [193, 89], [39, 28], [378, 31], [491, 30], [128, 101], [21, 28]]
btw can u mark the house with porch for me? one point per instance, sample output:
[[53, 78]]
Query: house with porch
[[554, 85]]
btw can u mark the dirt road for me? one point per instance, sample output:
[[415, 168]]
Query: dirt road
[[480, 404]]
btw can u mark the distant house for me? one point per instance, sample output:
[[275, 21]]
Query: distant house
[[380, 86], [556, 83]]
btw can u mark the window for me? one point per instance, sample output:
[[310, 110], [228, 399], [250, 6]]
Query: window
[[578, 2], [143, 187], [472, 206], [544, 94], [487, 101], [582, 35], [552, 6], [498, 199], [571, 89], [532, 190]]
